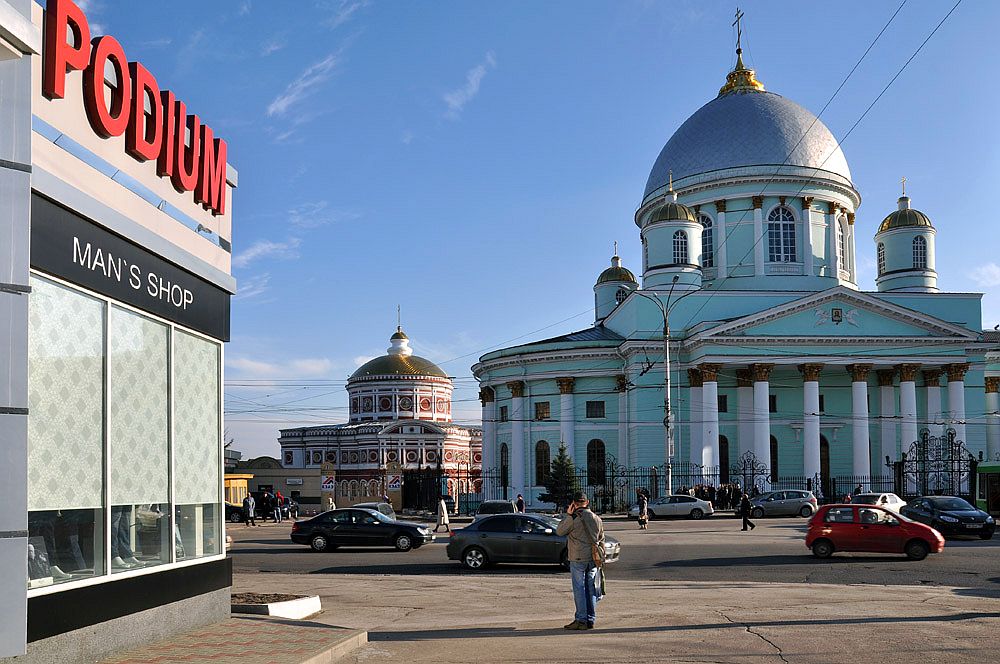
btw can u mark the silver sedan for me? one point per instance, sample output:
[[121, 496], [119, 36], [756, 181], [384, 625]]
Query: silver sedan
[[675, 506]]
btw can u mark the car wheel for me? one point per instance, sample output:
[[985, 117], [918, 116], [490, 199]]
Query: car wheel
[[564, 559], [696, 513], [651, 515], [985, 536], [917, 549], [805, 512], [404, 542], [235, 517], [822, 548], [474, 559], [756, 513], [319, 543]]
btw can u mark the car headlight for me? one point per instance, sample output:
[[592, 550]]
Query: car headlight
[[989, 519], [423, 530], [949, 519]]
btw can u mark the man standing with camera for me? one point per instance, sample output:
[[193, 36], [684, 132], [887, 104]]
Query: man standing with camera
[[584, 533]]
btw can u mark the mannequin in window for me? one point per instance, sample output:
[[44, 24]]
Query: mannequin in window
[[122, 556]]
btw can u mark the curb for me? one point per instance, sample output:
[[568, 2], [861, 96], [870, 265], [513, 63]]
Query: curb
[[295, 609], [358, 639]]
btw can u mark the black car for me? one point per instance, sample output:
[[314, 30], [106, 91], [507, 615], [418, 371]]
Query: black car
[[359, 527], [234, 513], [950, 516], [515, 538]]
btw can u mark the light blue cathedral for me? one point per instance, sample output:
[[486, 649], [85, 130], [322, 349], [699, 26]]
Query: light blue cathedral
[[749, 242]]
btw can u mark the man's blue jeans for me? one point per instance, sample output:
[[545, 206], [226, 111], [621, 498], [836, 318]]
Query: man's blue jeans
[[584, 575]]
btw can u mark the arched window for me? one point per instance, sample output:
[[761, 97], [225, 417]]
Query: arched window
[[620, 295], [881, 258], [781, 235], [920, 252], [504, 465], [680, 247], [595, 462], [645, 254], [542, 463], [840, 246], [707, 241], [774, 459]]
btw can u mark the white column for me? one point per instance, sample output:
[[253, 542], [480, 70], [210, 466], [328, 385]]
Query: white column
[[907, 405], [887, 419], [832, 259], [850, 255], [517, 421], [762, 413], [488, 399], [623, 447], [758, 234], [695, 414], [710, 415], [807, 238], [932, 378], [720, 239], [993, 418], [567, 416], [956, 398], [862, 455], [810, 419], [744, 411]]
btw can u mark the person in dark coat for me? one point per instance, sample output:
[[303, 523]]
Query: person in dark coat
[[745, 511], [643, 510], [519, 504]]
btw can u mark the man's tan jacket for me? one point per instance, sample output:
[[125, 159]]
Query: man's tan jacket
[[578, 540]]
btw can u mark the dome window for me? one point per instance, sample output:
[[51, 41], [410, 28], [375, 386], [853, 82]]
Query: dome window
[[881, 258], [781, 235], [919, 253], [620, 295], [680, 247], [707, 241]]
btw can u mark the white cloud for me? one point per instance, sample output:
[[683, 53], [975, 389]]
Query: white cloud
[[314, 215], [267, 249], [315, 74], [458, 98], [407, 137], [361, 359], [344, 10], [987, 275], [305, 367], [272, 46], [157, 43], [252, 286], [245, 7]]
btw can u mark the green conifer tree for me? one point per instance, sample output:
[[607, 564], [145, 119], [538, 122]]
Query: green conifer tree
[[562, 482]]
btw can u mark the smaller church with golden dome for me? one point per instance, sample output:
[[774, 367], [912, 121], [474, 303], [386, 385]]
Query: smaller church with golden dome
[[400, 412]]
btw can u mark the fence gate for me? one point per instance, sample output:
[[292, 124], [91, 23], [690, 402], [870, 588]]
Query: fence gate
[[750, 473], [936, 465]]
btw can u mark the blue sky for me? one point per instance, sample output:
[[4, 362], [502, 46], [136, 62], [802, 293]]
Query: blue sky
[[473, 162]]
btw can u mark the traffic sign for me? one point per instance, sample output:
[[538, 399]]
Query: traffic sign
[[395, 482], [329, 483]]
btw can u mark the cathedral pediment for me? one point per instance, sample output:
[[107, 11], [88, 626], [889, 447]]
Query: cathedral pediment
[[837, 312]]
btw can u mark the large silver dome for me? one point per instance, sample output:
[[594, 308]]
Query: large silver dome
[[747, 128]]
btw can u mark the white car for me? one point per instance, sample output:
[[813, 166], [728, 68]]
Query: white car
[[890, 501], [667, 506]]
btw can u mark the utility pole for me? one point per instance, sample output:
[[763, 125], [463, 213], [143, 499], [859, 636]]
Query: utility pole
[[668, 419]]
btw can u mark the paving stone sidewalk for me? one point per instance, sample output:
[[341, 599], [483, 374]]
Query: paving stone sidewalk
[[251, 640]]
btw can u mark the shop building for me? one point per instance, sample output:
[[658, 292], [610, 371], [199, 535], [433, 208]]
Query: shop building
[[115, 285]]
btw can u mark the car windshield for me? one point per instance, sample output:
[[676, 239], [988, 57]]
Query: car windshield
[[865, 500], [378, 515], [550, 522], [951, 504]]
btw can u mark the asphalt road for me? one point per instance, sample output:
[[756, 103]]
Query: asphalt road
[[712, 549]]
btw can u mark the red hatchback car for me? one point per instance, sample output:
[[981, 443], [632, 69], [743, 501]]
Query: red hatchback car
[[870, 529]]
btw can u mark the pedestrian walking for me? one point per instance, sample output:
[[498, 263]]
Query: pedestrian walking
[[248, 507], [745, 511], [442, 516], [858, 489], [643, 510], [584, 532], [519, 503]]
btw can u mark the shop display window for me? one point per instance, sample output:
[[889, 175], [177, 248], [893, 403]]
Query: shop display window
[[66, 432], [117, 397]]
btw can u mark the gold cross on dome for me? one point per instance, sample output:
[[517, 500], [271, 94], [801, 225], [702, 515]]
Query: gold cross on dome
[[739, 28]]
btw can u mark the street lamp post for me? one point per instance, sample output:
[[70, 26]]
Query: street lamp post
[[668, 420]]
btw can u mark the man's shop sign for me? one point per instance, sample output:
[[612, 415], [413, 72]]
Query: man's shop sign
[[157, 133]]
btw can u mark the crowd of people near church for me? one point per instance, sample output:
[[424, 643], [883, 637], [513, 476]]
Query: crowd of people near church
[[722, 497]]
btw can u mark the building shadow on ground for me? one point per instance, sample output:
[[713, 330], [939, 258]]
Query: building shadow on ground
[[506, 632]]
